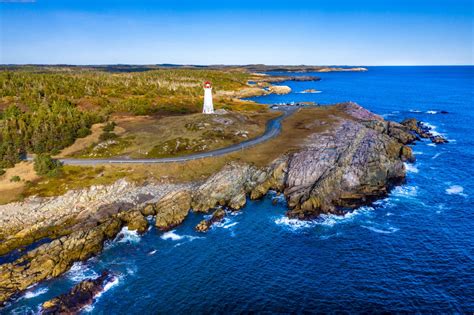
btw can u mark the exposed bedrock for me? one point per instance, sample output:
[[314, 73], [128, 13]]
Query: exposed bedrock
[[52, 259], [352, 162], [423, 131], [80, 296], [172, 209]]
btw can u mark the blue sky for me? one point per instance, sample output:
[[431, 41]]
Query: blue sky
[[318, 32]]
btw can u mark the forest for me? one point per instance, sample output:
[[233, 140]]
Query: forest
[[43, 109]]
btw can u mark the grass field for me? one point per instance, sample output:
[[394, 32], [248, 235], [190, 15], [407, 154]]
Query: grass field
[[155, 136], [295, 130]]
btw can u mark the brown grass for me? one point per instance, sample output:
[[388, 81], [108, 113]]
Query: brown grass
[[157, 136], [295, 130], [10, 191]]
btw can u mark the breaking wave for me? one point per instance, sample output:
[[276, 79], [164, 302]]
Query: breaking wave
[[432, 129], [81, 271], [34, 293], [173, 236], [328, 220], [411, 168], [128, 236], [115, 281], [405, 191]]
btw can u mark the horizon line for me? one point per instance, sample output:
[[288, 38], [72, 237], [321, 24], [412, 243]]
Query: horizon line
[[231, 65]]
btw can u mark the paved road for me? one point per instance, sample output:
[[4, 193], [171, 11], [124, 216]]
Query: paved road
[[273, 129]]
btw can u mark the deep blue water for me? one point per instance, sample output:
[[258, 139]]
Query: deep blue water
[[411, 252]]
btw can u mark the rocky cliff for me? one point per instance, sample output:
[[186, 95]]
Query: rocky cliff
[[352, 162]]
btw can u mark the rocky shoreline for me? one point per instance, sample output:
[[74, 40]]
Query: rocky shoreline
[[357, 160]]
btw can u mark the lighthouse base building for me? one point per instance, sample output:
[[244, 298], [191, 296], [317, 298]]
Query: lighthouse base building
[[208, 107]]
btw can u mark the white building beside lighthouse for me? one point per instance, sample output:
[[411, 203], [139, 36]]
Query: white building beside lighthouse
[[208, 107]]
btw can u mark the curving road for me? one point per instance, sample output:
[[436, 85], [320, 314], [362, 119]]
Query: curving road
[[273, 128]]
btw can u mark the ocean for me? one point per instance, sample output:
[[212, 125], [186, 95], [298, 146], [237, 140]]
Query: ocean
[[410, 252]]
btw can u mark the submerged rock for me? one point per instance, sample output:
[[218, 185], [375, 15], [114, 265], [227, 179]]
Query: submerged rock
[[78, 297]]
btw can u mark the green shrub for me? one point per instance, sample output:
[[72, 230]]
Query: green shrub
[[15, 179], [83, 132], [109, 127], [2, 171], [44, 165], [107, 136]]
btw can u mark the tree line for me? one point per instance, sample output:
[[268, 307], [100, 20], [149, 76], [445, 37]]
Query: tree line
[[43, 110], [49, 129]]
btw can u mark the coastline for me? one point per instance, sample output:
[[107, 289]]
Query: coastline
[[79, 222], [340, 158]]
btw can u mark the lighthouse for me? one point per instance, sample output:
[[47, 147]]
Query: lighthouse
[[208, 107]]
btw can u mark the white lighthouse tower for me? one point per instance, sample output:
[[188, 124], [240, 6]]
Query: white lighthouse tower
[[208, 107]]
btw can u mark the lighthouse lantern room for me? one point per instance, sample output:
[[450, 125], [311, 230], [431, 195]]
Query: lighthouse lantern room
[[208, 107]]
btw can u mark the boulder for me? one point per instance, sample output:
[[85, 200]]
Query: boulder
[[205, 225], [172, 209], [438, 139], [280, 89], [149, 209], [134, 220], [417, 127]]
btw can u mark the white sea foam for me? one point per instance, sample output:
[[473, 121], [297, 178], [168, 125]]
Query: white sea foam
[[88, 308], [431, 144], [433, 128], [383, 203], [80, 271], [405, 191], [432, 112], [34, 293], [418, 153], [128, 236], [328, 220], [455, 190], [109, 285], [228, 226], [411, 168], [436, 156], [115, 281], [414, 111], [306, 92], [153, 252], [389, 230], [294, 224], [171, 235]]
